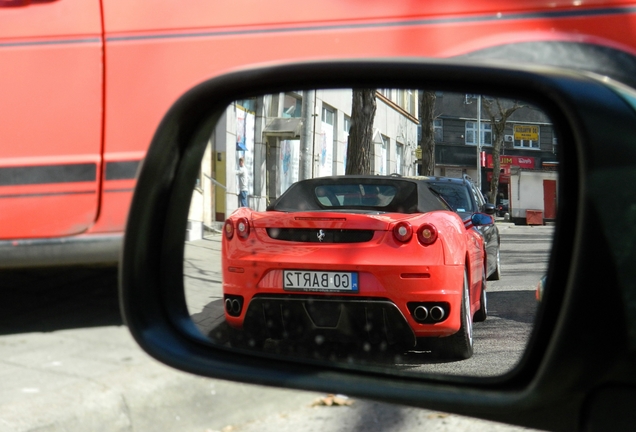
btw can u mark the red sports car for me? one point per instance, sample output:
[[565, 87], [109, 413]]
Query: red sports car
[[377, 259]]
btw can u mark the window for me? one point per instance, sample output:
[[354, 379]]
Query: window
[[384, 155], [438, 130], [456, 195], [199, 183], [399, 151], [273, 106], [408, 100], [346, 125], [529, 135], [471, 133], [527, 144], [355, 195], [479, 198], [327, 115], [247, 104], [292, 106]]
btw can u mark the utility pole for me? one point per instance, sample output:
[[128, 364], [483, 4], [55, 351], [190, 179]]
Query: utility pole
[[306, 153], [479, 142]]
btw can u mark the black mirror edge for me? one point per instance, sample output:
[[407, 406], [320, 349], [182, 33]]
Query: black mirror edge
[[490, 209], [537, 394]]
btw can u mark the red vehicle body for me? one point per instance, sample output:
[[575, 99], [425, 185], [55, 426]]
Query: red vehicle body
[[86, 82], [351, 261]]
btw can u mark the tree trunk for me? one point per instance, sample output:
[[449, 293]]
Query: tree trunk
[[498, 138], [361, 132], [498, 121], [427, 140]]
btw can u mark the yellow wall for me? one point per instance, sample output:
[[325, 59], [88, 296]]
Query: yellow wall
[[219, 192]]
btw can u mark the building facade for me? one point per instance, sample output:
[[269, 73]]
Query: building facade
[[464, 139], [290, 136], [287, 137]]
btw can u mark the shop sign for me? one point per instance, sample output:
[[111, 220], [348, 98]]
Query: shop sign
[[526, 132], [507, 161]]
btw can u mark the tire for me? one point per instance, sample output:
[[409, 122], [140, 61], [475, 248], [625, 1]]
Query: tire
[[496, 275], [482, 313], [459, 346]]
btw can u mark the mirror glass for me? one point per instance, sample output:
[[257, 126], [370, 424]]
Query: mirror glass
[[386, 270]]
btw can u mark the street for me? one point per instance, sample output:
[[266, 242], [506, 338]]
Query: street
[[499, 341], [67, 362]]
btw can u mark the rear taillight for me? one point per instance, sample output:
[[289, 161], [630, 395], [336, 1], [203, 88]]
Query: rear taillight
[[243, 228], [228, 229], [427, 234], [403, 232]]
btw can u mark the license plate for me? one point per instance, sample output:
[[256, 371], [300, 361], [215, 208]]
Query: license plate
[[322, 281]]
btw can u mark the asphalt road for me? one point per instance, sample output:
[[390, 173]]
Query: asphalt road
[[67, 362], [499, 341]]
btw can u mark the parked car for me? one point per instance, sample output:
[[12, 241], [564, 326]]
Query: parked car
[[466, 199], [289, 272], [107, 51], [578, 372], [502, 208]]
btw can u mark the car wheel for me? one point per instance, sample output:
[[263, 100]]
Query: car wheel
[[459, 346], [496, 275], [482, 313]]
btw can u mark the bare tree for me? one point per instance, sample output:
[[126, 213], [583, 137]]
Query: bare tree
[[499, 112], [361, 132], [427, 140]]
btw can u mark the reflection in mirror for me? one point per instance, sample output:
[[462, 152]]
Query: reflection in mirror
[[394, 270]]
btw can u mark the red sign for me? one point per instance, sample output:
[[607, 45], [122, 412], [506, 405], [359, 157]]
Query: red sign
[[507, 161]]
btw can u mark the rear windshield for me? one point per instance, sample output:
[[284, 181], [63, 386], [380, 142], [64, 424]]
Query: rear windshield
[[358, 195]]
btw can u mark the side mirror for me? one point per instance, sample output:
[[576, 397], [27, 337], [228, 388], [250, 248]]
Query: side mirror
[[557, 381], [489, 208], [480, 219]]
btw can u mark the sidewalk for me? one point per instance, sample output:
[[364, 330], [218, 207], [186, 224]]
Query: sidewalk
[[98, 380], [67, 363]]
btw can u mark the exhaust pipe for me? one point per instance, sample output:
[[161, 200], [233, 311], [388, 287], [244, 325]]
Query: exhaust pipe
[[236, 307], [437, 313], [233, 306], [420, 313]]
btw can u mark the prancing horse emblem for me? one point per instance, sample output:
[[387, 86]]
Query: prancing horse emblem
[[321, 235]]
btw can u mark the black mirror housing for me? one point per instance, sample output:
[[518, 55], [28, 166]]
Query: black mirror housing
[[489, 208], [560, 376]]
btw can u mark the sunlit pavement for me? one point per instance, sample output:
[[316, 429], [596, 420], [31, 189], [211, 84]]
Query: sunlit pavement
[[68, 363]]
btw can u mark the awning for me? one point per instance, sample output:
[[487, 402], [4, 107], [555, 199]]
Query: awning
[[284, 127]]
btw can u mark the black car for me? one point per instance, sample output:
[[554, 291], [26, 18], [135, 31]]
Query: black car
[[502, 208], [466, 199]]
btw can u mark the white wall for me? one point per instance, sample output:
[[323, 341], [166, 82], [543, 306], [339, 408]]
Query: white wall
[[389, 121], [526, 191]]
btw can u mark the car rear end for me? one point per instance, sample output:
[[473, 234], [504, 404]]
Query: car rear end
[[287, 272]]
